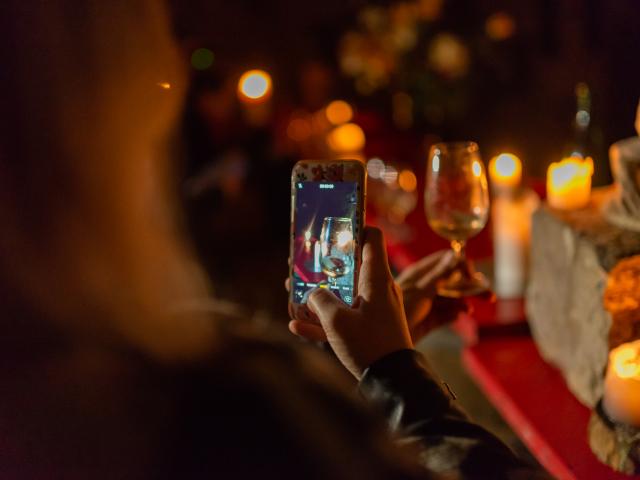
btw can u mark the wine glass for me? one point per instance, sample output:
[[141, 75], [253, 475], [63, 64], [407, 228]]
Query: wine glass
[[336, 248], [456, 200]]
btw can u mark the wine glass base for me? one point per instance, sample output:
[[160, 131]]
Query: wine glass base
[[460, 286]]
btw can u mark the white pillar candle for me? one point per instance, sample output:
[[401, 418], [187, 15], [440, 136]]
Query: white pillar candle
[[511, 220], [316, 257], [621, 398]]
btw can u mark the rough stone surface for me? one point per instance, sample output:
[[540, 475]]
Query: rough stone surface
[[571, 255], [616, 445]]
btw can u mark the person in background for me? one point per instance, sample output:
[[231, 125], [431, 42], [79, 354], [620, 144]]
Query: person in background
[[115, 359]]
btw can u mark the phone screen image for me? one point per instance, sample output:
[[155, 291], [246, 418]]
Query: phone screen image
[[325, 238]]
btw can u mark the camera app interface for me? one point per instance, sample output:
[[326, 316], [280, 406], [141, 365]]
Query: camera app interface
[[325, 242]]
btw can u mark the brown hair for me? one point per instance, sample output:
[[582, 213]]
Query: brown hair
[[88, 232]]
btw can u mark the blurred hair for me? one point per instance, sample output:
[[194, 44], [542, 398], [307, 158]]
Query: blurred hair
[[89, 233]]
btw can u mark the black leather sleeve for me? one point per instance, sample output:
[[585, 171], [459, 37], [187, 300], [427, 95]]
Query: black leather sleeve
[[421, 411]]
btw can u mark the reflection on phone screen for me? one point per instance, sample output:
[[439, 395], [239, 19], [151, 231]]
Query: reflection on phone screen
[[325, 238]]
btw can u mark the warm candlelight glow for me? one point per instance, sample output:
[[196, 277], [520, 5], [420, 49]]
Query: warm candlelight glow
[[254, 86], [339, 112], [511, 222], [346, 138], [476, 168], [569, 183], [164, 85], [505, 171], [622, 384]]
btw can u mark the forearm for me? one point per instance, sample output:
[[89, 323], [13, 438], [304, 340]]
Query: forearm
[[418, 407]]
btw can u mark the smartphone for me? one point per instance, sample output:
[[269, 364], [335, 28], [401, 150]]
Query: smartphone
[[327, 221]]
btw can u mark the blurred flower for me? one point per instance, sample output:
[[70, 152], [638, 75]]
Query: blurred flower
[[351, 53], [448, 56], [373, 18], [403, 38], [403, 14], [500, 26]]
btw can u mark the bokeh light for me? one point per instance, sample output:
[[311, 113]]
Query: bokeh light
[[390, 175], [299, 130], [375, 167], [407, 180], [254, 86], [346, 138], [339, 112], [500, 26], [202, 58]]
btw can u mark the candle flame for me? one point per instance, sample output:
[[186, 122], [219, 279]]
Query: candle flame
[[569, 172], [476, 168], [626, 360], [505, 165]]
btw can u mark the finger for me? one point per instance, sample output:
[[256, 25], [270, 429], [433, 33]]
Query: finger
[[325, 304], [310, 331], [287, 284], [374, 272], [416, 270], [445, 265]]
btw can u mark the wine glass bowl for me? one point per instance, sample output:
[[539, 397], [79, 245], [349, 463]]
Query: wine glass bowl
[[456, 200], [336, 248]]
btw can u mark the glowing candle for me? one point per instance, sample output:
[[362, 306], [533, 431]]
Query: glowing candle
[[316, 257], [505, 172], [511, 220], [307, 241], [621, 398], [569, 183]]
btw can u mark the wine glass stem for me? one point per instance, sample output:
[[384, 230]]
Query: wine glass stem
[[459, 247]]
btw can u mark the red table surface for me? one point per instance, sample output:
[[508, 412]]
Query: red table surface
[[532, 396]]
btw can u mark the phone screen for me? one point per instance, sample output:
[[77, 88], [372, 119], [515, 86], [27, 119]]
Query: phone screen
[[325, 238]]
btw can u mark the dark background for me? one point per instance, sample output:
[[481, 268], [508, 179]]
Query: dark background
[[519, 97]]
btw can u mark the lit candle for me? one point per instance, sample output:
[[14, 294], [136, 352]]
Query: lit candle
[[621, 398], [511, 220], [254, 91], [316, 257], [307, 241], [505, 172], [569, 183]]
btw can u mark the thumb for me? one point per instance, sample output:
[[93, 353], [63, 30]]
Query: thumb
[[325, 304], [374, 272]]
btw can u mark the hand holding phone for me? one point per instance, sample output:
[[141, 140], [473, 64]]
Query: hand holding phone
[[374, 326], [327, 219]]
